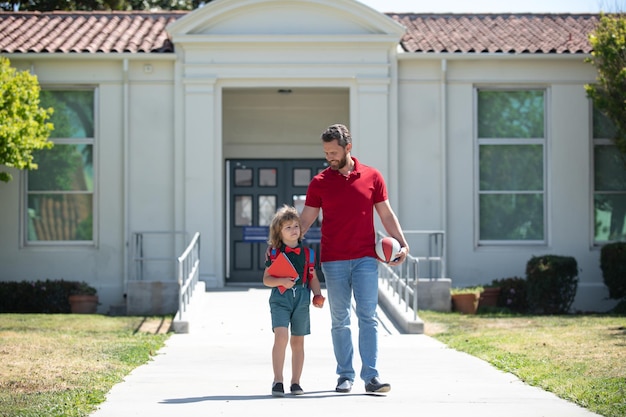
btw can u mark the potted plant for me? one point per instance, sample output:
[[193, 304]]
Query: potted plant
[[83, 298], [489, 296], [465, 300]]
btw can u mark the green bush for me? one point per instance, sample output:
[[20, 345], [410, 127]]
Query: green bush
[[552, 282], [613, 265], [512, 294], [37, 296]]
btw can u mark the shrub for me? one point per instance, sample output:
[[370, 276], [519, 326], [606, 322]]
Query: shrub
[[82, 288], [512, 294], [552, 282], [613, 265], [37, 296]]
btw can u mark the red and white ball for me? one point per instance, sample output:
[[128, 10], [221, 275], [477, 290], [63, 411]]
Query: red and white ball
[[387, 248]]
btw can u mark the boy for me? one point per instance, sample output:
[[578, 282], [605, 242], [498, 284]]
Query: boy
[[290, 297]]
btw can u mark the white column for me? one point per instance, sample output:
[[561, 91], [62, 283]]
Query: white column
[[203, 176], [374, 144]]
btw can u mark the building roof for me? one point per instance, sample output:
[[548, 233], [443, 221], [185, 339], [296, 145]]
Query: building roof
[[497, 33], [144, 32], [86, 32]]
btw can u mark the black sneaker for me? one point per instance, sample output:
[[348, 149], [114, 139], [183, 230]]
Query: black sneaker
[[296, 389], [376, 386], [344, 385], [278, 390]]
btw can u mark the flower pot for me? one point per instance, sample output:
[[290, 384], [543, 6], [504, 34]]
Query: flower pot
[[83, 304], [489, 297], [465, 303]]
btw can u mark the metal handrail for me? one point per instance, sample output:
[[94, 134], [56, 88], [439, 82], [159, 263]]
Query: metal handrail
[[435, 255], [140, 259], [402, 280], [188, 272]]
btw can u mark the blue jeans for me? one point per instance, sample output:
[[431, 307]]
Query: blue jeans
[[343, 279]]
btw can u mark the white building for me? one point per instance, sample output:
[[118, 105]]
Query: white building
[[206, 121]]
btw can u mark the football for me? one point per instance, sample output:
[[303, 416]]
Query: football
[[387, 248]]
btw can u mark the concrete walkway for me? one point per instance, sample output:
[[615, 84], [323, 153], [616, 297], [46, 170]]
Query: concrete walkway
[[222, 367]]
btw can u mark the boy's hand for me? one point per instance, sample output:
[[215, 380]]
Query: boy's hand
[[287, 282], [318, 301]]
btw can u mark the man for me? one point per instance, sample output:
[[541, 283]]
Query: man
[[347, 192]]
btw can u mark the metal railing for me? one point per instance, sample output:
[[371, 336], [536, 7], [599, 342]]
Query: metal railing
[[153, 254], [429, 246], [402, 280], [188, 272]]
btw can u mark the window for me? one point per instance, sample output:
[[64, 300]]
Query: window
[[511, 153], [60, 192], [609, 172]]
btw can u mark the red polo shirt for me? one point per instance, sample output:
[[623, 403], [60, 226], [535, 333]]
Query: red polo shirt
[[347, 204]]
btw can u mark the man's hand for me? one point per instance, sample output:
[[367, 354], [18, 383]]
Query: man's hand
[[401, 256]]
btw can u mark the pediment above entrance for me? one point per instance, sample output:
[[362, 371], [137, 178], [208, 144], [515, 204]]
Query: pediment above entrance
[[345, 18]]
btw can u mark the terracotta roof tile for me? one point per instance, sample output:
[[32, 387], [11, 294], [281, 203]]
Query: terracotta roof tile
[[144, 32], [497, 33], [86, 32]]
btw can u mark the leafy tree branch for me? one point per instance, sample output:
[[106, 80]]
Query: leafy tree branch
[[609, 57], [23, 123]]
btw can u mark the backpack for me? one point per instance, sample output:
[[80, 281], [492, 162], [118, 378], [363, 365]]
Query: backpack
[[309, 263]]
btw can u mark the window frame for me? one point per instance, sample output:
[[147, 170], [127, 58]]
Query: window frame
[[594, 143], [544, 142], [93, 142]]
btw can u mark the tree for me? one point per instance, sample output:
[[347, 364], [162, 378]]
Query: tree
[[609, 57], [23, 126], [87, 5], [608, 95]]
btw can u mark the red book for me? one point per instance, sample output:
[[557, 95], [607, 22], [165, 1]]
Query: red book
[[283, 268]]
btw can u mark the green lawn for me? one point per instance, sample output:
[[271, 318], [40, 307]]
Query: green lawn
[[64, 364], [581, 358]]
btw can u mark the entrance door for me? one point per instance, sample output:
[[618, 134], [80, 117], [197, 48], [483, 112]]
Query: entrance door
[[255, 190]]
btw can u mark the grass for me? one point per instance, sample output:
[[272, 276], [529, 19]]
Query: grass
[[581, 358], [64, 364]]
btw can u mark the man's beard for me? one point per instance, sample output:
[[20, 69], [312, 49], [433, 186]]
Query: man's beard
[[342, 163]]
